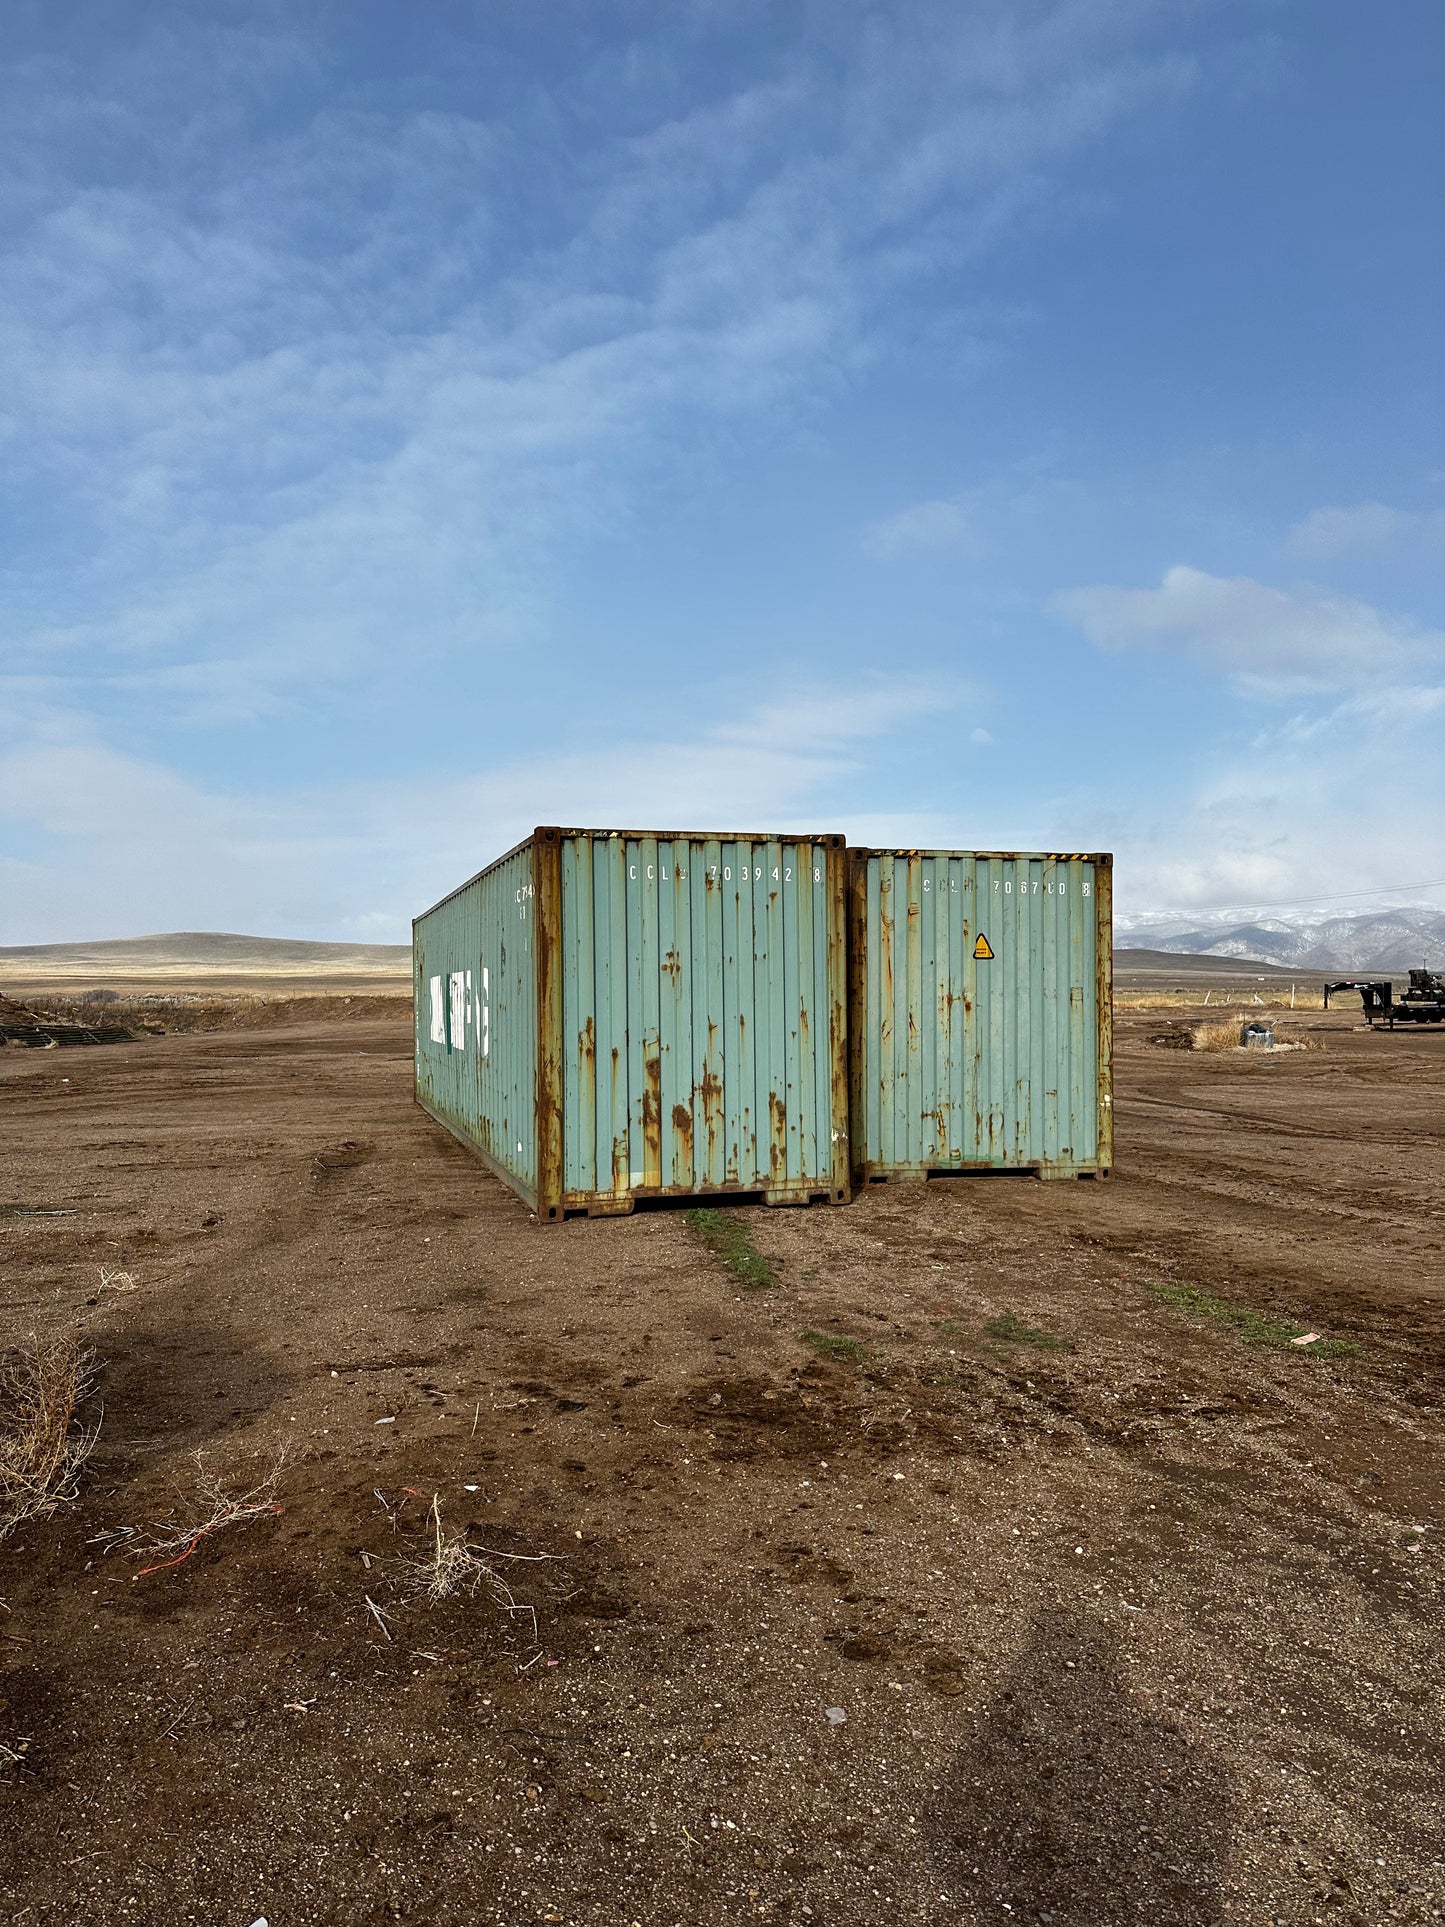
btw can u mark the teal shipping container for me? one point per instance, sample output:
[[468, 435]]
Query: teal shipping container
[[606, 1016], [980, 1013]]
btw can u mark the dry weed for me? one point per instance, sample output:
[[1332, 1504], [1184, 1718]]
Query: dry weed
[[451, 1565], [209, 1509], [1189, 997], [44, 1441], [1218, 1037]]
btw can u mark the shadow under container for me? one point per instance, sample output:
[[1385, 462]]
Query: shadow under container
[[980, 1013], [606, 1016]]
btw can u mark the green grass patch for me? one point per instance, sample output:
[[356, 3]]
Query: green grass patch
[[1251, 1327], [1013, 1331], [728, 1240], [835, 1345]]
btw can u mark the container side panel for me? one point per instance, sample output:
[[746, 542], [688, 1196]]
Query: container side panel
[[807, 1112], [476, 1016], [892, 1078], [772, 1068], [579, 1020], [618, 1068], [713, 1088]]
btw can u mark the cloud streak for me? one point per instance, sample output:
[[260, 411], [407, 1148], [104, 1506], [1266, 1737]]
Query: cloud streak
[[122, 841], [1368, 529], [364, 372]]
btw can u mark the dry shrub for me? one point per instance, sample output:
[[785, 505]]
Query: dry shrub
[[44, 1440], [451, 1565], [1220, 1036], [209, 1508]]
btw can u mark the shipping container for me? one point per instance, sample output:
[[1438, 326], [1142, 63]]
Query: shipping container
[[608, 1015], [980, 1013]]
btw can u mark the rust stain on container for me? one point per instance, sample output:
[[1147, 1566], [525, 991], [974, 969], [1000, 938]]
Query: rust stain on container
[[777, 1135], [710, 1090]]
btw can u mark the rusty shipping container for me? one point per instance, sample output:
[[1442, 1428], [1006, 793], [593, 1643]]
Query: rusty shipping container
[[610, 1015], [980, 1013]]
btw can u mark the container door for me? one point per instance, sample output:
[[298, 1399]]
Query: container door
[[979, 1021], [702, 1024]]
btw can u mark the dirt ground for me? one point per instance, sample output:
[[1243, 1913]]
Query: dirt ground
[[1130, 1623]]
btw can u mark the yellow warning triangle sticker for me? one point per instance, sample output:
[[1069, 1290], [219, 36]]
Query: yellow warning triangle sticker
[[981, 949]]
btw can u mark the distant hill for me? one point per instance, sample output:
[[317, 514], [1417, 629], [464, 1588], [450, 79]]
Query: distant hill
[[208, 956], [1137, 966], [1372, 940], [216, 948]]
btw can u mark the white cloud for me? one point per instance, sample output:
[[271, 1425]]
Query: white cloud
[[1368, 529], [1272, 641]]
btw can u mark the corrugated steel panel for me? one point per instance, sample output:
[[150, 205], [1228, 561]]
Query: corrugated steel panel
[[689, 1020], [980, 1012], [475, 986]]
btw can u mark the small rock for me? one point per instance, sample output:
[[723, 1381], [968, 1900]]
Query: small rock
[[836, 1716]]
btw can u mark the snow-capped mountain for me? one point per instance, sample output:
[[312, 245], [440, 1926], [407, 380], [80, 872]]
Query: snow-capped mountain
[[1382, 940]]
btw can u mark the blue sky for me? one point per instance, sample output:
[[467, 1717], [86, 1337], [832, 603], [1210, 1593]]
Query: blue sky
[[992, 425]]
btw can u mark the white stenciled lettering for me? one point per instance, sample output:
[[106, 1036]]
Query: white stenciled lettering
[[457, 1012], [438, 1012]]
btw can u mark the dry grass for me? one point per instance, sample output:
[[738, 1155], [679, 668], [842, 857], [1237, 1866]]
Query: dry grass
[[1305, 998], [1220, 1036], [451, 1565], [208, 1509], [44, 1439]]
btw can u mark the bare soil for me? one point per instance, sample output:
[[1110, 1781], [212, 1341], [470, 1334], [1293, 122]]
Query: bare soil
[[1137, 1629]]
